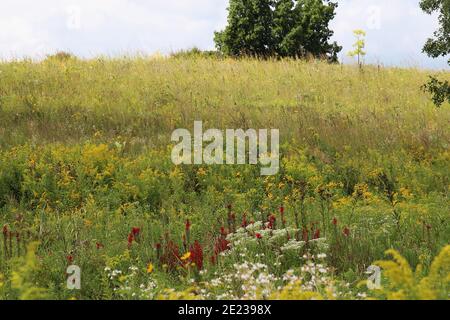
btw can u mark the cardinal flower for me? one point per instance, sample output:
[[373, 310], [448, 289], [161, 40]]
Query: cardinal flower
[[346, 231]]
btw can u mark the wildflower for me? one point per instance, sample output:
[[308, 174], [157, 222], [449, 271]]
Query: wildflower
[[186, 256], [99, 245], [69, 259], [334, 221], [258, 236], [283, 220], [223, 232], [272, 221], [317, 234], [135, 231], [170, 257], [221, 245], [244, 221], [197, 255], [188, 225], [130, 239], [346, 231], [150, 268], [305, 235]]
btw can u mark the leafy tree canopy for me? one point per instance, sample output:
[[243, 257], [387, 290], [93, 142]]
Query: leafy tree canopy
[[284, 28], [438, 46]]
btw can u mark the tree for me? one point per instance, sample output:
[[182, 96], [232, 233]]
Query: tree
[[283, 23], [283, 28], [249, 30], [438, 46], [359, 46]]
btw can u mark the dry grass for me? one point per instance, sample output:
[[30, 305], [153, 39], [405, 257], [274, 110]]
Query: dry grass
[[144, 99]]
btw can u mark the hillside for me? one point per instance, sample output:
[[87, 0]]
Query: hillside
[[85, 171]]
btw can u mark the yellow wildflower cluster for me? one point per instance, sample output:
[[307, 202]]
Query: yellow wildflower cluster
[[405, 284]]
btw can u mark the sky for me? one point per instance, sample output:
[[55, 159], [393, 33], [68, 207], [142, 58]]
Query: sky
[[396, 29]]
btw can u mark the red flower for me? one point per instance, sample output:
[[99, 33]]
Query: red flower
[[231, 221], [282, 210], [188, 225], [244, 221], [223, 232], [130, 239], [221, 245], [305, 235], [70, 259], [272, 220], [135, 231], [197, 255], [258, 236], [334, 221], [317, 234], [346, 231], [171, 255], [99, 245]]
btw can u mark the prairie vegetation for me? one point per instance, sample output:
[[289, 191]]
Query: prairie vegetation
[[86, 179]]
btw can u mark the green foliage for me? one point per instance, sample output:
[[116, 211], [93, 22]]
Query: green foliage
[[438, 46], [439, 89], [23, 276], [84, 160], [249, 29], [281, 28]]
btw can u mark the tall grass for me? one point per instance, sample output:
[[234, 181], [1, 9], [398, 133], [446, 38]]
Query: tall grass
[[85, 158], [144, 99]]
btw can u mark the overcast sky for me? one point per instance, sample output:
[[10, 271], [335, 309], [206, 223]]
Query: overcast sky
[[396, 29]]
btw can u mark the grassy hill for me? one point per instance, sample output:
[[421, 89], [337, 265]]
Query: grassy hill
[[86, 179]]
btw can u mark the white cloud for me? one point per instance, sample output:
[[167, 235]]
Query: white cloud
[[92, 27], [402, 31]]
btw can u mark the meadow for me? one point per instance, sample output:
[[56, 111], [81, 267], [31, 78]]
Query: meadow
[[86, 179]]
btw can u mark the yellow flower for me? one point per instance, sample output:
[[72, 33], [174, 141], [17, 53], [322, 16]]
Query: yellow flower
[[405, 193], [150, 268], [201, 172], [186, 256]]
